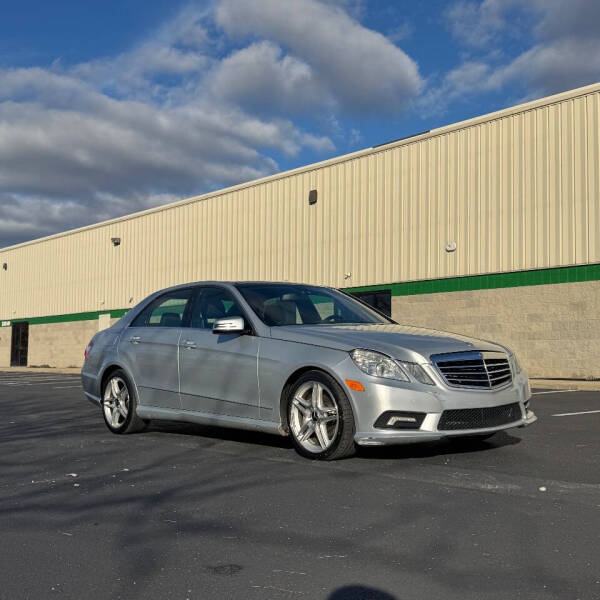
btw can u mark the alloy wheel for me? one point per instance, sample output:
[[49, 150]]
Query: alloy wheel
[[314, 417], [116, 402]]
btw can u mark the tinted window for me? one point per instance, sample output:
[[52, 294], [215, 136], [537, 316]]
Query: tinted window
[[166, 311], [287, 304], [380, 300], [211, 304], [325, 306]]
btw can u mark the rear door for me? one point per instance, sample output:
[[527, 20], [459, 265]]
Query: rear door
[[218, 372], [150, 346]]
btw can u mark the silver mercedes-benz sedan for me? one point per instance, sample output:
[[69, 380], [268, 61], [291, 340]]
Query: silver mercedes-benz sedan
[[310, 362]]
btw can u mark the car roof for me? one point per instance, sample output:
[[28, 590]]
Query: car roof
[[239, 282]]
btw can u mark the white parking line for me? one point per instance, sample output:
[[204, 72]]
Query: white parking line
[[65, 387], [552, 392], [584, 412], [30, 383], [35, 378], [48, 376]]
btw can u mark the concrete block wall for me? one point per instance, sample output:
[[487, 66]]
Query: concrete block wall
[[55, 344], [554, 329], [59, 344]]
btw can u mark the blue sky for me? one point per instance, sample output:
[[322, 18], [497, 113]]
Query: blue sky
[[111, 107]]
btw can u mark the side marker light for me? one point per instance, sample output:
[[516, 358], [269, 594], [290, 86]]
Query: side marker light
[[357, 386]]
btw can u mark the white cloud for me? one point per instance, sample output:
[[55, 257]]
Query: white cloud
[[561, 40], [567, 19], [554, 67], [30, 216], [358, 68], [125, 146], [567, 49], [184, 111], [67, 149], [477, 23], [263, 80], [468, 79], [168, 64]]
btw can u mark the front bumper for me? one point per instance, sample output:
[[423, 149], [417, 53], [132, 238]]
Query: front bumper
[[382, 437], [382, 396]]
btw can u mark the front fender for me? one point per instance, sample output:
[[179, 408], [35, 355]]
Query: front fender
[[278, 360]]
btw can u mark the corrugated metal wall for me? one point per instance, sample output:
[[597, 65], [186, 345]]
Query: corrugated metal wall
[[518, 190]]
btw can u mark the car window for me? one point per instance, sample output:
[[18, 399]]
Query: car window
[[281, 311], [380, 300], [292, 304], [166, 311], [213, 303], [324, 305]]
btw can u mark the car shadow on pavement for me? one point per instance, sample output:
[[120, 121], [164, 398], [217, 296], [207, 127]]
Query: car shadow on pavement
[[414, 450], [359, 592], [438, 448], [219, 433]]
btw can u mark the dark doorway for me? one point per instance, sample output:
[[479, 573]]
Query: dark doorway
[[19, 345], [380, 300]]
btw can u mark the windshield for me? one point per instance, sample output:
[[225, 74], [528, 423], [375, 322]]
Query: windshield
[[288, 304]]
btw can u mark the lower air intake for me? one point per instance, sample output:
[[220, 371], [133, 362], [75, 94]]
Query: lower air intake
[[479, 418]]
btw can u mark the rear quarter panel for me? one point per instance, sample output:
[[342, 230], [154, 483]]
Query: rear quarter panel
[[105, 345]]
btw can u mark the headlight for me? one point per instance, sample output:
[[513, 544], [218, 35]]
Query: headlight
[[417, 372], [377, 364], [514, 364], [380, 365]]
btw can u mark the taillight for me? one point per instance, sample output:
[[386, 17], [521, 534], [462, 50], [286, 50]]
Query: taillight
[[88, 349]]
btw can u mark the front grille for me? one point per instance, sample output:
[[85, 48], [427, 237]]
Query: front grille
[[484, 370], [479, 418]]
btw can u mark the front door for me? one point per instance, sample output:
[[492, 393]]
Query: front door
[[150, 346], [19, 344], [217, 371]]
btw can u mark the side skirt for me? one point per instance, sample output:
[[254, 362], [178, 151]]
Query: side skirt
[[188, 416]]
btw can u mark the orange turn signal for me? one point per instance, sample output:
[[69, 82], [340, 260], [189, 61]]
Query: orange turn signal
[[357, 386]]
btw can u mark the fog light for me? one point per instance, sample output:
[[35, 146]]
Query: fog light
[[393, 419]]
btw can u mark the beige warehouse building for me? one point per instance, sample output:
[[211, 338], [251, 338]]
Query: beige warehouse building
[[489, 227]]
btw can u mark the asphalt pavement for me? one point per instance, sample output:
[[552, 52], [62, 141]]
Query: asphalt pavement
[[182, 511]]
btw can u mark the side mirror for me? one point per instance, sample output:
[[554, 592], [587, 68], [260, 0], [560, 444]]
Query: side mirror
[[229, 325]]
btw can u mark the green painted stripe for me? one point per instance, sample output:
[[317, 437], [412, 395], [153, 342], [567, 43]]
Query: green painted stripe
[[115, 313], [409, 288], [487, 282]]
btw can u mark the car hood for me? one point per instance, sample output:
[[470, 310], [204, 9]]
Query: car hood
[[399, 341]]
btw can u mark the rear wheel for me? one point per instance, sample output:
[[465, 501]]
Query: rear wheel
[[119, 404], [320, 418]]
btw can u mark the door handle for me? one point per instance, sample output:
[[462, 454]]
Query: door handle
[[135, 339], [189, 345]]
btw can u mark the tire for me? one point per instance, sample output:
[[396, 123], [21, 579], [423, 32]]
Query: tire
[[119, 404], [320, 417]]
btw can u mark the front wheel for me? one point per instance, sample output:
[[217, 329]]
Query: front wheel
[[119, 404], [320, 417]]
